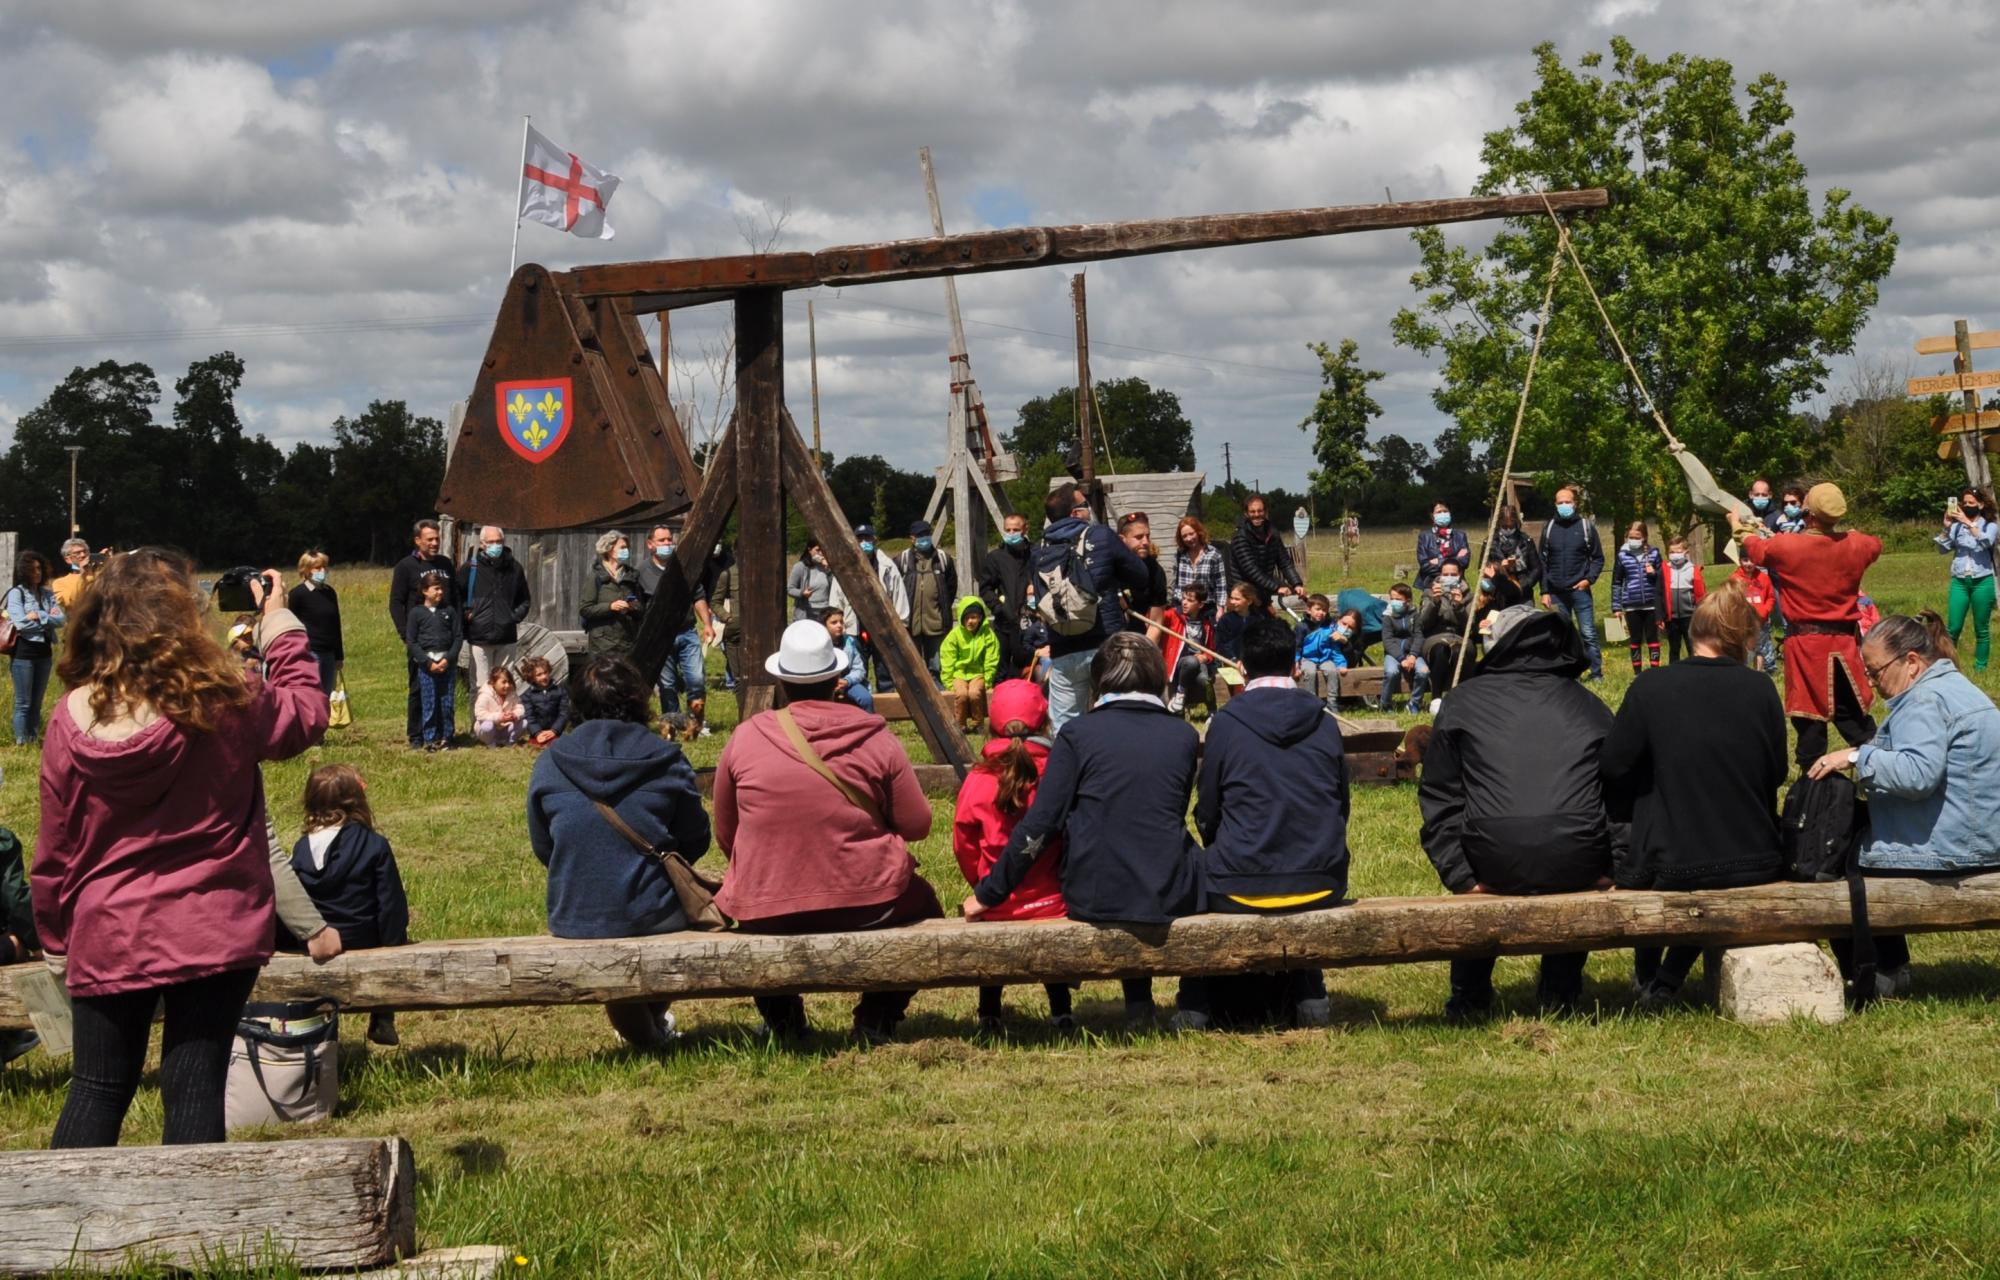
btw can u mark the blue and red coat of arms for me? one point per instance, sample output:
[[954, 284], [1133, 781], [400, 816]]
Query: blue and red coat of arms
[[534, 416]]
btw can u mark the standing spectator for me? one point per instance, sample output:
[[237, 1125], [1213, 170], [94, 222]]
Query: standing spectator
[[1761, 503], [1440, 545], [1790, 517], [76, 557], [1402, 649], [433, 639], [1636, 589], [493, 599], [1968, 538], [1258, 556], [1513, 546], [38, 619], [728, 620], [406, 592], [891, 579], [498, 719], [610, 775], [314, 602], [1510, 794], [1197, 560], [1004, 575], [350, 873], [1116, 791], [1683, 594], [1818, 575], [152, 870], [1572, 559], [1272, 814], [1927, 775], [969, 662], [852, 686], [611, 609], [1150, 602], [810, 586], [544, 703], [1076, 548], [815, 806], [686, 667], [931, 579], [1694, 762], [1755, 584]]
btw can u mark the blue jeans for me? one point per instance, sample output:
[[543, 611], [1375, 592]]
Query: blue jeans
[[434, 691], [684, 670], [1577, 607], [31, 682], [858, 695], [329, 670], [1392, 676], [1069, 688]]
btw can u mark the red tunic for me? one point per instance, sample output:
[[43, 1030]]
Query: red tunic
[[1819, 580]]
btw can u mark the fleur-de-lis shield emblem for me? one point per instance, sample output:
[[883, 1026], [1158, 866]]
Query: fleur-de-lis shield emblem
[[534, 416]]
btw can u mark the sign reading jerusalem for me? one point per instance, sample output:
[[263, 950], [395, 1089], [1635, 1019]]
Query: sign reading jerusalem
[[534, 416]]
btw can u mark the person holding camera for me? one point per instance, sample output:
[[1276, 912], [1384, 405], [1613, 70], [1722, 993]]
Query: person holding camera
[[406, 592], [1441, 622], [1514, 548], [152, 868], [1968, 538], [611, 608]]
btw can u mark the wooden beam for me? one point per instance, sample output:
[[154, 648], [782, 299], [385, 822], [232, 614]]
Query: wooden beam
[[761, 604], [671, 609], [488, 972], [1022, 247], [327, 1204]]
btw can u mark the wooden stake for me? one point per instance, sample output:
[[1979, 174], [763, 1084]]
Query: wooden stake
[[812, 356]]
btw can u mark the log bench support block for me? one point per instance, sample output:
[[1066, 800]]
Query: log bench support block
[[1759, 986]]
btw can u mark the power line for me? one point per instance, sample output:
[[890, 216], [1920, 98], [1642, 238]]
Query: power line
[[248, 330]]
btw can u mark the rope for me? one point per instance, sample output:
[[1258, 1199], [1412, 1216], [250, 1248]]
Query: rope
[[1346, 725], [1507, 468]]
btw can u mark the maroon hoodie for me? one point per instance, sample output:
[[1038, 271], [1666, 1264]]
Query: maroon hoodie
[[152, 866], [794, 842]]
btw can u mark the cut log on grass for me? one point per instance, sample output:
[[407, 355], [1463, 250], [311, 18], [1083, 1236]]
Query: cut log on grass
[[494, 972], [328, 1204]]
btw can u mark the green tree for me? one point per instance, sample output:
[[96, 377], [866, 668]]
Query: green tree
[[217, 506], [127, 462], [1731, 292], [1339, 422], [387, 466], [1134, 420]]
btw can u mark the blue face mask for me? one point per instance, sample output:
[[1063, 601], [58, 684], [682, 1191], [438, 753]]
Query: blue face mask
[[319, 575], [924, 544], [1793, 510], [495, 550], [1443, 519], [1396, 607], [1486, 584], [1341, 633], [868, 548], [664, 553], [624, 554], [1013, 539], [1761, 504], [1565, 510]]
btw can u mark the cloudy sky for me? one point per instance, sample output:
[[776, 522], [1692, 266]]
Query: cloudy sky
[[328, 189]]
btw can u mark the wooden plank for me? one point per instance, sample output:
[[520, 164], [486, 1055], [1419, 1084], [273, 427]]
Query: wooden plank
[[328, 1204], [761, 605], [1021, 247], [671, 609], [1948, 343], [495, 972], [1947, 382], [1984, 420]]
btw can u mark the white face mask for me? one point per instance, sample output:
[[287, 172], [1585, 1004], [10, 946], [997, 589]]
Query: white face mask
[[1633, 544], [1679, 559]]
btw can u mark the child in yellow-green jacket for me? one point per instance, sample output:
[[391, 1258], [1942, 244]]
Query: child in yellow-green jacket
[[969, 661]]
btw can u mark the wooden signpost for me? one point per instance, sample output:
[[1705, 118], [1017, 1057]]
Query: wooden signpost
[[1963, 428]]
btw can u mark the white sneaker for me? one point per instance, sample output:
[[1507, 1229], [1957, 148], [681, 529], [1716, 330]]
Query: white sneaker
[[1176, 703]]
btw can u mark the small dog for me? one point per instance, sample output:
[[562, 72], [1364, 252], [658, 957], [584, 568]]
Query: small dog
[[1415, 743]]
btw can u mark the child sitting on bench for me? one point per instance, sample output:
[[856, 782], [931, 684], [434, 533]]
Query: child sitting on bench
[[349, 871]]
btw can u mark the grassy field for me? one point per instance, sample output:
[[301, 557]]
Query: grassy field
[[1614, 1144]]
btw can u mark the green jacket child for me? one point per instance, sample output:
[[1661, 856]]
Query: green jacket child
[[970, 653]]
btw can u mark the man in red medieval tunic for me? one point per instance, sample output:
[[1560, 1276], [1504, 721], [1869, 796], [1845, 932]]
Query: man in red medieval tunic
[[1818, 574]]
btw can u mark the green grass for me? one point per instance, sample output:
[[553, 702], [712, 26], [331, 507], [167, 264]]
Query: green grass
[[1619, 1144]]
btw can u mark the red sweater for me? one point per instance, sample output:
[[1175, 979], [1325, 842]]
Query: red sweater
[[979, 833], [793, 841], [152, 866]]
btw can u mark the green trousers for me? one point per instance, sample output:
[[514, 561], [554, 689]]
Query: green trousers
[[1974, 595]]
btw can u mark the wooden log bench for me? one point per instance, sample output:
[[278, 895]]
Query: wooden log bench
[[497, 972], [329, 1204]]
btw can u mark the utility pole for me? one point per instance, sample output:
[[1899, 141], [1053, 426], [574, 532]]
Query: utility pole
[[1228, 476], [812, 355], [1089, 464], [72, 450]]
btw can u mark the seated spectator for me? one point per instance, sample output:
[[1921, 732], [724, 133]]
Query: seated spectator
[[1695, 760], [1243, 604], [1272, 814], [1317, 660], [1500, 587], [601, 884], [1402, 641], [1441, 617], [1347, 638], [18, 941], [1115, 790], [1368, 608], [815, 806], [853, 683], [1510, 795], [1927, 775], [544, 703], [969, 661], [497, 716], [350, 873], [1189, 670], [994, 796]]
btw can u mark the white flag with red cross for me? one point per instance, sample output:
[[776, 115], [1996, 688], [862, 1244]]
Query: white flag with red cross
[[563, 192]]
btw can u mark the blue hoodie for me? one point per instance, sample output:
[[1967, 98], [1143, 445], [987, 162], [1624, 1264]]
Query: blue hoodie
[[1272, 809], [600, 886], [1314, 642]]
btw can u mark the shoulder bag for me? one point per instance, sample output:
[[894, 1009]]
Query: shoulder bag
[[8, 635], [338, 712], [695, 891], [855, 795]]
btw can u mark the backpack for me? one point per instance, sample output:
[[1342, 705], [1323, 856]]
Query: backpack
[[1064, 594], [1819, 840]]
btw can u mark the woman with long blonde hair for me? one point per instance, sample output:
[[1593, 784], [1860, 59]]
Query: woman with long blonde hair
[[152, 877]]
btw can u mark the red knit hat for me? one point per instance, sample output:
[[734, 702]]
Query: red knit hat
[[1018, 700]]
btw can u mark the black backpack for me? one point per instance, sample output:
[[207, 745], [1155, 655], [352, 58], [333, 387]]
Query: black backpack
[[1820, 840]]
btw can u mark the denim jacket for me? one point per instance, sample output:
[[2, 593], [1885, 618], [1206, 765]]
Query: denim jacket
[[1971, 553], [1930, 777], [20, 600]]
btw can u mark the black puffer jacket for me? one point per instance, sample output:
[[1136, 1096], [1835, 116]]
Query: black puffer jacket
[[1510, 793], [493, 594], [1262, 560]]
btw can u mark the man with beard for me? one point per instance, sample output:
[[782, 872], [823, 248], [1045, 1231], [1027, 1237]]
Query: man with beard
[[1258, 556]]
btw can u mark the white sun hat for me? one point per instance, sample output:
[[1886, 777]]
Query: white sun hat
[[805, 655]]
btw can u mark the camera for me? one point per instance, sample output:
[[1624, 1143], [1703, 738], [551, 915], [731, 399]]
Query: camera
[[235, 592]]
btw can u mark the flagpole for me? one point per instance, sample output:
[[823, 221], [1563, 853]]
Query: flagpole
[[520, 183]]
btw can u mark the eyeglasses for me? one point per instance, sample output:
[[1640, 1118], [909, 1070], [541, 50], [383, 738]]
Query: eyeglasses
[[1875, 673]]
